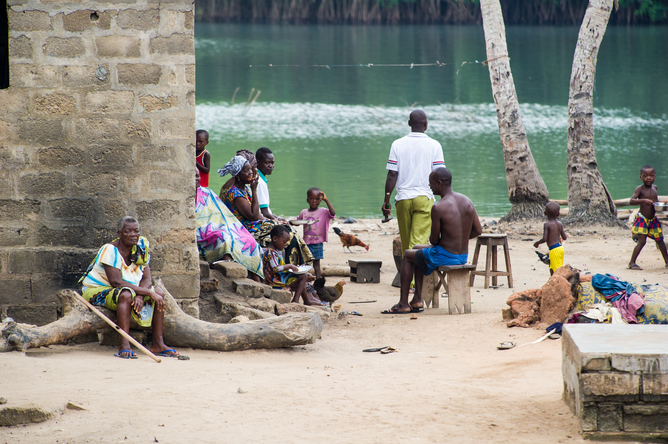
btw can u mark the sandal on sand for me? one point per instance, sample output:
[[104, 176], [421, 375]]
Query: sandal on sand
[[634, 267], [505, 345], [375, 349], [132, 354], [391, 311], [169, 353]]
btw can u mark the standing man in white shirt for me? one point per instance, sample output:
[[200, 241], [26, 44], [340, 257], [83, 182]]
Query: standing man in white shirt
[[412, 159]]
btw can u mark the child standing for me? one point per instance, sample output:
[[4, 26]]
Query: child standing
[[646, 223], [277, 273], [552, 232], [315, 232], [203, 158]]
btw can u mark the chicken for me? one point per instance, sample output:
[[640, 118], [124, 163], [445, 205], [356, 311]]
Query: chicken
[[350, 240], [544, 258], [328, 294]]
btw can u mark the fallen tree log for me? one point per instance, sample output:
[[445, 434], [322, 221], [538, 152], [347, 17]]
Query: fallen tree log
[[77, 320], [618, 202], [332, 270], [180, 329]]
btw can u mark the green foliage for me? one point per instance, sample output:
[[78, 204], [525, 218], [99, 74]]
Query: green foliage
[[392, 3], [652, 9]]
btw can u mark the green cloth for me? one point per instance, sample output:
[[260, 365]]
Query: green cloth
[[108, 297], [414, 219]]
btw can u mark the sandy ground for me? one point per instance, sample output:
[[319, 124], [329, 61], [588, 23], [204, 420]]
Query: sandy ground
[[446, 383]]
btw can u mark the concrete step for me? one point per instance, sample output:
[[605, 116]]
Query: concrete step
[[208, 285], [204, 270], [231, 269], [251, 289]]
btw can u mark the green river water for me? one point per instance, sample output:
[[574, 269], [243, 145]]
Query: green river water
[[332, 126]]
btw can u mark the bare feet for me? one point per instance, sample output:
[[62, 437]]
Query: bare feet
[[314, 300]]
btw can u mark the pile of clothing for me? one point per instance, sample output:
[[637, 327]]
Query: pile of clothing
[[608, 299]]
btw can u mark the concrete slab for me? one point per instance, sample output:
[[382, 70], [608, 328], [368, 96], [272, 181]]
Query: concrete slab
[[616, 379], [619, 338]]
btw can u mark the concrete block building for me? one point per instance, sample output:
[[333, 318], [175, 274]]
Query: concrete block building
[[97, 122]]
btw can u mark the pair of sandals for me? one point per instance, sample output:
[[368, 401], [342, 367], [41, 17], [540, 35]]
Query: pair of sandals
[[169, 353]]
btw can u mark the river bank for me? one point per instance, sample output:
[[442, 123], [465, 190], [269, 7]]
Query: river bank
[[447, 382]]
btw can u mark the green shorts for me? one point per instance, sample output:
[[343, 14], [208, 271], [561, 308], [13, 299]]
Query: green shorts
[[108, 297]]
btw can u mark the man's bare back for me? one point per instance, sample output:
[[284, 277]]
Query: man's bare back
[[454, 221]]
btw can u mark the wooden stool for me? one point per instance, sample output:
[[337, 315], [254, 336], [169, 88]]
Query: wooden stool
[[365, 271], [491, 241], [457, 286]]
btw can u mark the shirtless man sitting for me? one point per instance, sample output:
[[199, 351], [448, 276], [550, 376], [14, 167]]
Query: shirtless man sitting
[[453, 222]]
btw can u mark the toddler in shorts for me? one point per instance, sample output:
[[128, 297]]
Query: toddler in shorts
[[315, 232]]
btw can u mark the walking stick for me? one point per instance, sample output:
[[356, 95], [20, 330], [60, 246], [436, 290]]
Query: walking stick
[[118, 329]]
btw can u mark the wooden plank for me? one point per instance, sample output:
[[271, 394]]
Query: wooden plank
[[459, 292], [617, 202]]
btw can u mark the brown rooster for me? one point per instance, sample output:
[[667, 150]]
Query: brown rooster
[[350, 240], [328, 294]]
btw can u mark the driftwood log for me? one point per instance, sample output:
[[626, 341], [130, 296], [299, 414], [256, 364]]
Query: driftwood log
[[181, 330]]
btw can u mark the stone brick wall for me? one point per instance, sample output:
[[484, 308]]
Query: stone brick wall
[[98, 122], [616, 380]]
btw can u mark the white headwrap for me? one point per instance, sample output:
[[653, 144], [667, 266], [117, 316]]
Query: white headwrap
[[233, 167]]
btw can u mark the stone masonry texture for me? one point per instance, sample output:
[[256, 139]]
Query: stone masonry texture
[[98, 123], [616, 380]]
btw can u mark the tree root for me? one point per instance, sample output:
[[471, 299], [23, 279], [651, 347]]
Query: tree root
[[524, 211], [592, 218]]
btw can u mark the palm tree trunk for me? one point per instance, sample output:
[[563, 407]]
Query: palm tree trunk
[[588, 197], [526, 190]]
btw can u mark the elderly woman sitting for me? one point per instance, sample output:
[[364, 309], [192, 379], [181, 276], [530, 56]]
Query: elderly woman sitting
[[220, 236], [119, 278], [241, 199]]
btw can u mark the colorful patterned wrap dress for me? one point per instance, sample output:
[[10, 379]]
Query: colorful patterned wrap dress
[[296, 252], [219, 233]]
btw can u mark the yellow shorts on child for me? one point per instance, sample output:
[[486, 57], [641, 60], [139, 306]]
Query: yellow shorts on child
[[556, 257]]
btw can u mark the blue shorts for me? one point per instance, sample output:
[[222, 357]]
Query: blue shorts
[[316, 250], [429, 259]]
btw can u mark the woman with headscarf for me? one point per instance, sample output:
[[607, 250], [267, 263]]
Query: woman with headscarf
[[220, 236], [239, 196]]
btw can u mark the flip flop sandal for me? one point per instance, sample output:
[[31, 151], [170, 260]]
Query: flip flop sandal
[[169, 353], [373, 350], [132, 354], [417, 309], [506, 345], [634, 267], [389, 311], [387, 350]]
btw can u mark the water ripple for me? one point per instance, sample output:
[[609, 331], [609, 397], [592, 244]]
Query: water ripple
[[282, 121]]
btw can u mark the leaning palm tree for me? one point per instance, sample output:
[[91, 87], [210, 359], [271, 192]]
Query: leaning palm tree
[[526, 190], [588, 197]]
